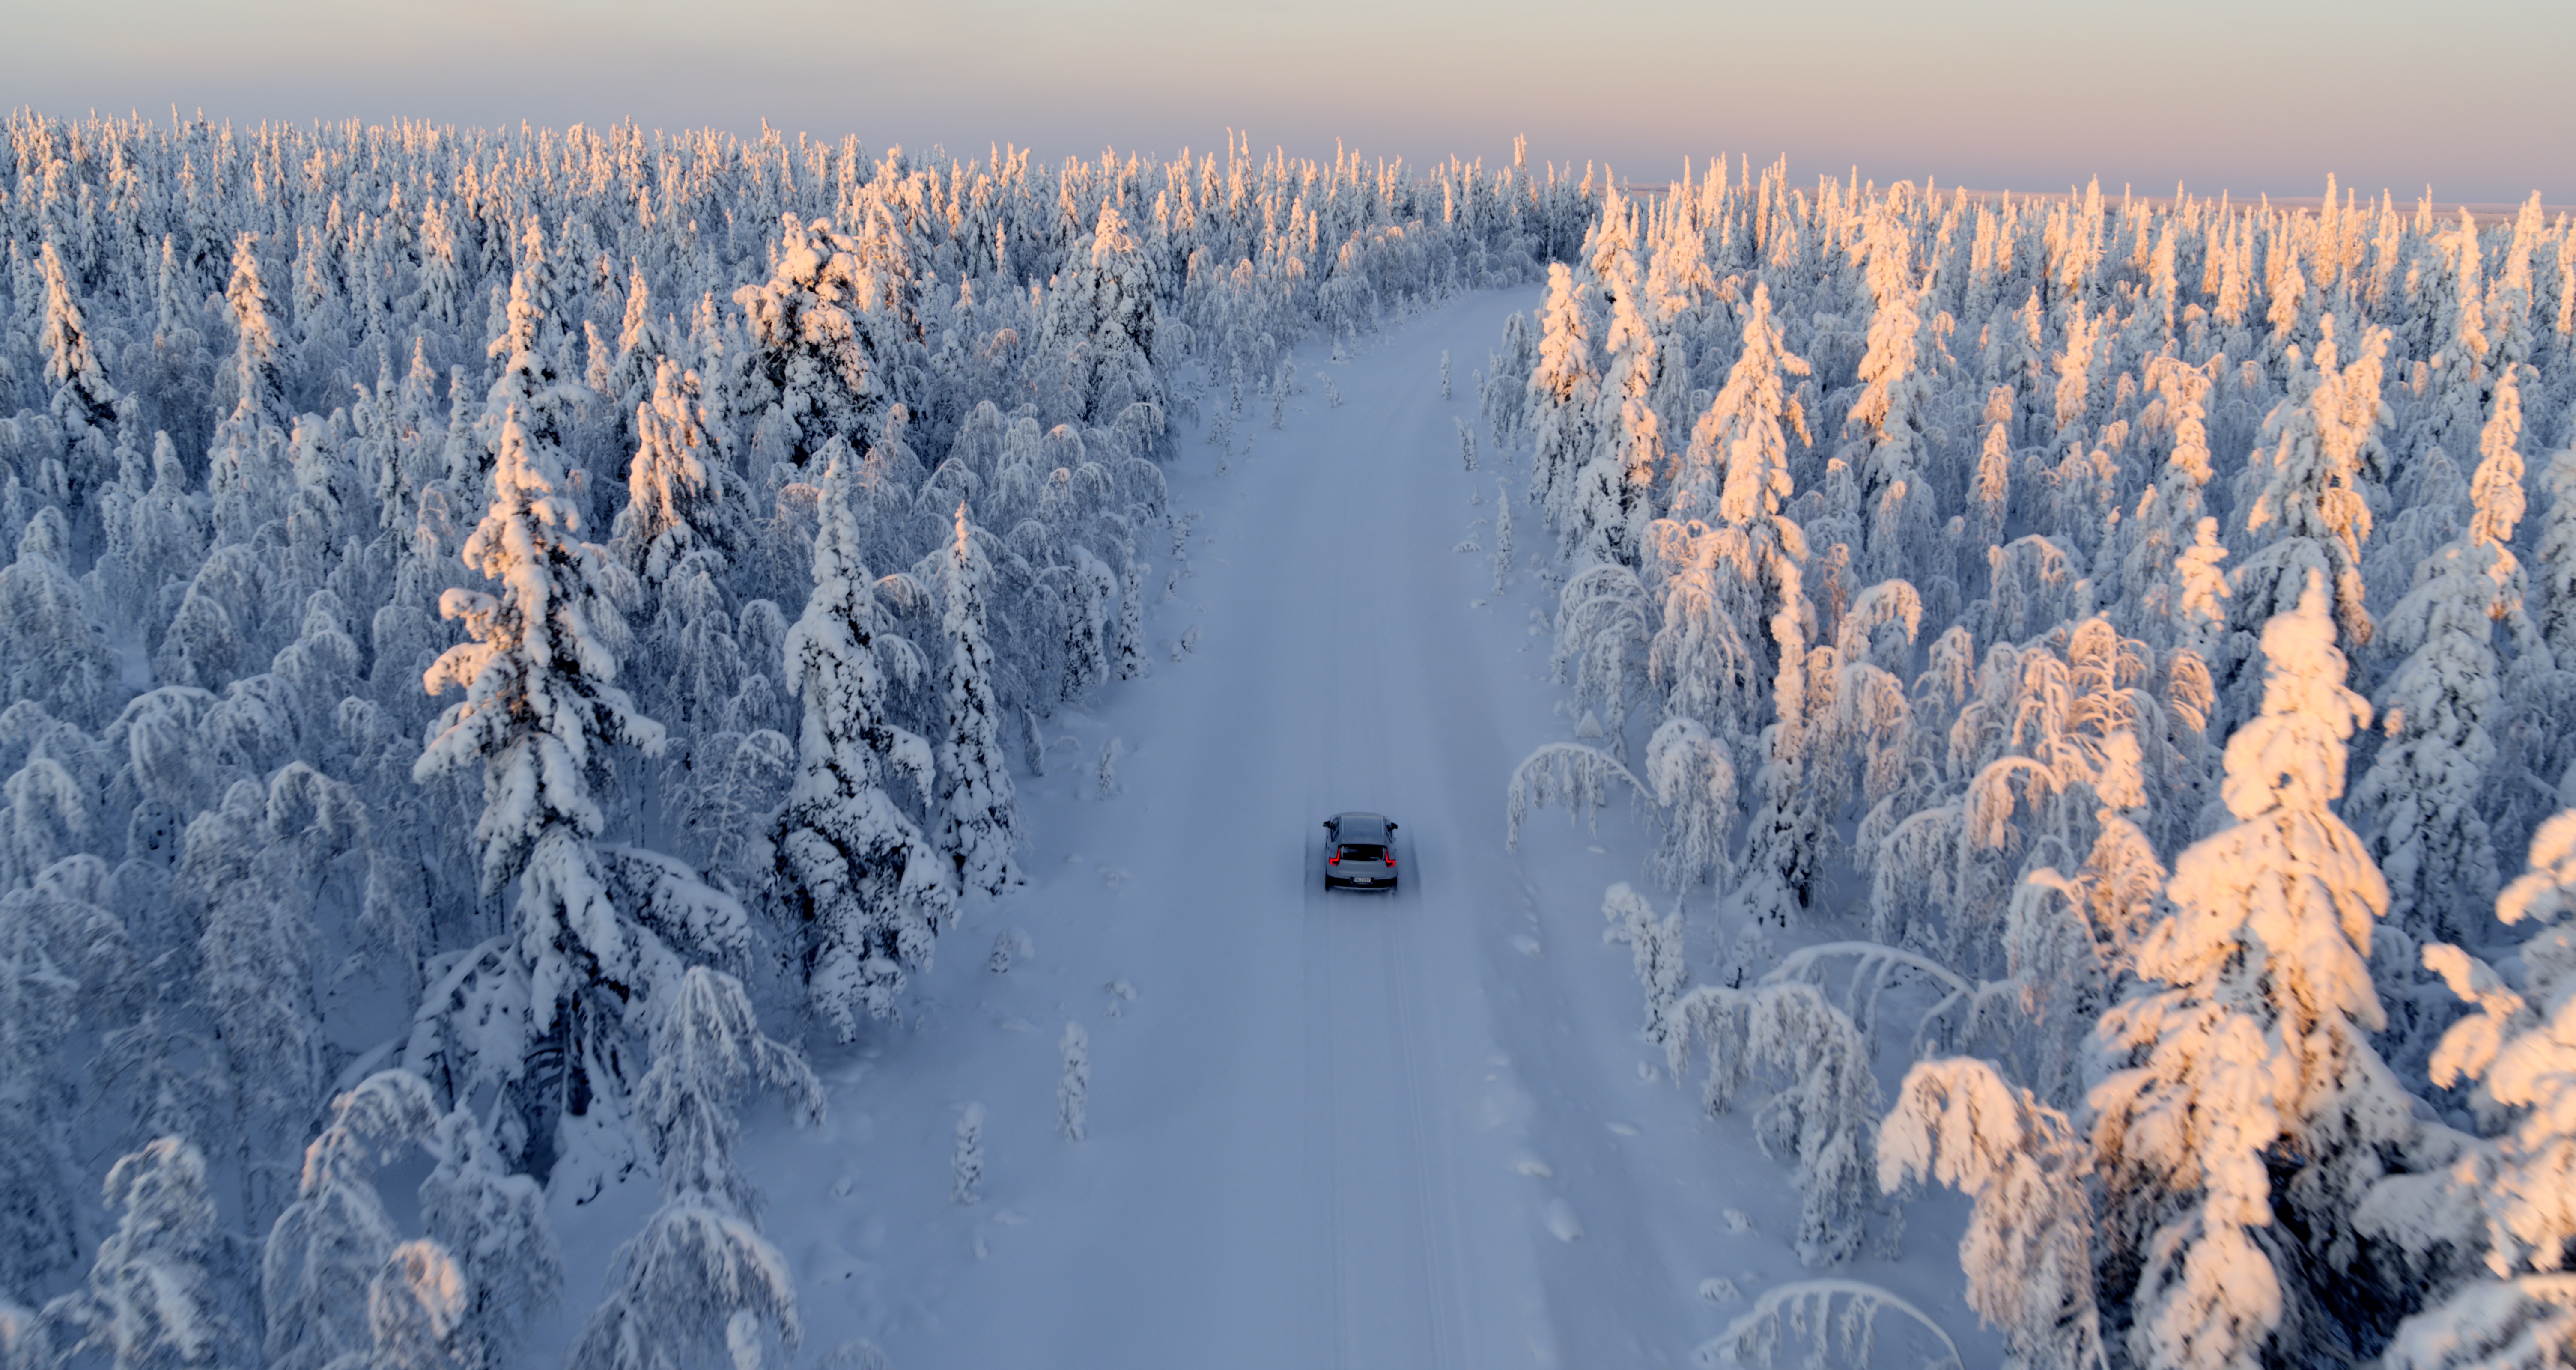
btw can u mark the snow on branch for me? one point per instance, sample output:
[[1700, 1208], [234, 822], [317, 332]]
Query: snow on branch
[[2519, 1324], [1876, 969], [1839, 1320], [1566, 773]]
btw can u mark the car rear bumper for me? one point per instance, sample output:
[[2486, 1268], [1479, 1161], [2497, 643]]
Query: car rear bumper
[[1344, 882]]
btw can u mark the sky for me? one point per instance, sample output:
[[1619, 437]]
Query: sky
[[2251, 96]]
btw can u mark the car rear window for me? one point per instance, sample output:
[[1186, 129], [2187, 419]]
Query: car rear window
[[1363, 851]]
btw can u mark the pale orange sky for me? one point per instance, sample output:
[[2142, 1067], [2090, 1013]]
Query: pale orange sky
[[2251, 96]]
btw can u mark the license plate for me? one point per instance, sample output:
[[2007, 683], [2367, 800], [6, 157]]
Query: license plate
[[1363, 879]]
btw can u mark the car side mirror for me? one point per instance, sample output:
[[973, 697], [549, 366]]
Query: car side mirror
[[1392, 826]]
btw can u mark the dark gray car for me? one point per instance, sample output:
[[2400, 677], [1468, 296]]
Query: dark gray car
[[1359, 852]]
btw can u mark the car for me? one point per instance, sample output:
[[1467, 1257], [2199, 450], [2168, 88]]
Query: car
[[1359, 851]]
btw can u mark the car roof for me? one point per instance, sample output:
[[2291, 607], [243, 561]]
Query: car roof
[[1356, 827]]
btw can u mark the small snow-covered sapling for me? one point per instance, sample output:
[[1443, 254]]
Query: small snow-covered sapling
[[1105, 778], [966, 1163], [1466, 436], [1444, 375], [1073, 1091]]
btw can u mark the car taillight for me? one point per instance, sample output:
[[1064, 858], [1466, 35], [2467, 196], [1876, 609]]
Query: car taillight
[[1390, 856], [1335, 859]]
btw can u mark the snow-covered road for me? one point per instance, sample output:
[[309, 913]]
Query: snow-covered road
[[1343, 1130]]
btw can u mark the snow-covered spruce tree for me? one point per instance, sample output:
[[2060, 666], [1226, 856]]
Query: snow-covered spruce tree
[[83, 397], [2307, 508], [812, 355], [2245, 1113], [677, 502], [1562, 390], [2168, 515], [1602, 519], [245, 475], [1888, 416], [2418, 800], [869, 891], [2501, 1216], [1601, 632], [542, 1012], [494, 1224], [534, 384], [2484, 1224], [1694, 780], [2522, 787], [259, 864], [1789, 834], [700, 1284], [1720, 557], [416, 1315], [976, 813], [1073, 1087]]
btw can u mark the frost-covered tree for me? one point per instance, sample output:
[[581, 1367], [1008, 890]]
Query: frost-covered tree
[[700, 1283], [2245, 1049], [1655, 944], [708, 1056], [2027, 1252], [1603, 517], [1789, 832], [1822, 1110], [1694, 780], [1102, 322], [493, 1225], [870, 892], [57, 655], [2157, 586], [2420, 797], [2418, 800], [66, 963], [327, 1249], [245, 476], [417, 1315], [151, 1302]]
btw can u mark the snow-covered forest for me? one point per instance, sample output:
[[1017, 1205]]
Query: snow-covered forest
[[2125, 654], [519, 645], [510, 634]]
